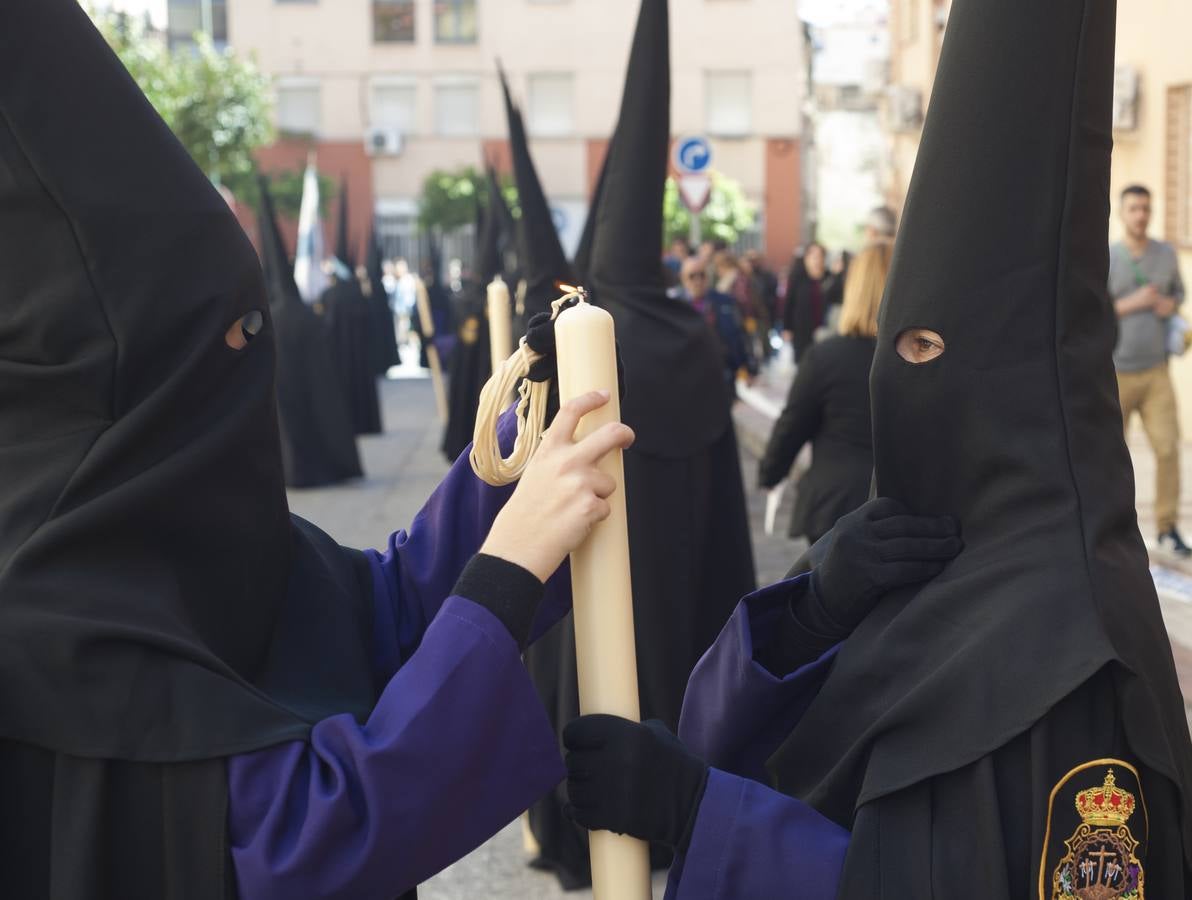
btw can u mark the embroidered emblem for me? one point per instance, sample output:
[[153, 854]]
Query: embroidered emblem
[[470, 330], [1102, 860]]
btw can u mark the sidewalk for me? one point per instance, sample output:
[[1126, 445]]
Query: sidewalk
[[1173, 577]]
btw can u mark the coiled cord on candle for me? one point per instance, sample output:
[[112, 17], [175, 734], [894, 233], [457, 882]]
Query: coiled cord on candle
[[486, 459]]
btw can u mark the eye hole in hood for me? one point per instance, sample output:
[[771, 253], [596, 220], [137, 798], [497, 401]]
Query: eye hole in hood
[[244, 330], [919, 345]]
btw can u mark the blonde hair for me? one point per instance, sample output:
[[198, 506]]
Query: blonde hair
[[863, 289]]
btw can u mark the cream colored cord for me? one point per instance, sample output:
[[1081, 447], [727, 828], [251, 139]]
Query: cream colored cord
[[487, 462]]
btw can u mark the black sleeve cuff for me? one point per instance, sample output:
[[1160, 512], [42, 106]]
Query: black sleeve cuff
[[505, 589], [800, 637]]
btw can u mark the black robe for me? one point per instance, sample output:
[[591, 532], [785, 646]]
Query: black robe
[[318, 445], [468, 369], [318, 442], [992, 829], [352, 322]]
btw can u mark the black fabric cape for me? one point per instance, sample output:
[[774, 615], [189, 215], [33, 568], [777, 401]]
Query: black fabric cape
[[688, 530], [1015, 430], [159, 608], [352, 323], [318, 445]]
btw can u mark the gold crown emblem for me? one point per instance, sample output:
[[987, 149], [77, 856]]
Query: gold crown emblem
[[1105, 805]]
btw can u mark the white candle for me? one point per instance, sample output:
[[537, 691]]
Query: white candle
[[500, 322], [602, 592], [432, 352]]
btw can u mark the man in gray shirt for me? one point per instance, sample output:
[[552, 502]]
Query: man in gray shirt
[[1144, 281]]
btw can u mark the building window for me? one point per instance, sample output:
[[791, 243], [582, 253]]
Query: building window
[[299, 104], [728, 103], [394, 104], [457, 109], [1179, 165], [186, 18], [455, 21], [551, 105], [393, 21]]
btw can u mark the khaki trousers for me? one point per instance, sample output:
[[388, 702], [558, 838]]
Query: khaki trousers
[[1150, 394]]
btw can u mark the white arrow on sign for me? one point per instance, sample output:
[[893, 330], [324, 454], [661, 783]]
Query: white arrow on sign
[[695, 191], [692, 155]]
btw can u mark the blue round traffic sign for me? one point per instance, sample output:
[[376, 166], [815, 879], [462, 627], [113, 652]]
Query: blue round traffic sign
[[692, 155]]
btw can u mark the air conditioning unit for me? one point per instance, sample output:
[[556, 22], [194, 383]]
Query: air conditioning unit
[[380, 140], [904, 108], [1125, 98]]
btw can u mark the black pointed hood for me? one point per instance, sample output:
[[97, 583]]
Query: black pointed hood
[[275, 262], [1015, 430], [343, 246], [627, 247], [676, 395], [542, 259], [375, 264], [488, 251], [146, 545], [433, 266]]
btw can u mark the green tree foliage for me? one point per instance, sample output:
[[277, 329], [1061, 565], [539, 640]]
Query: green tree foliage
[[727, 214], [217, 103], [449, 199]]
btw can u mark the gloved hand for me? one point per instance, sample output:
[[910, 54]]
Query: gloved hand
[[876, 549], [631, 778]]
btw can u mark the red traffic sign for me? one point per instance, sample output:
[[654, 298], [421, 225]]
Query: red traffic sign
[[695, 191]]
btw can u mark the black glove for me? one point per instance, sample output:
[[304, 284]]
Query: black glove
[[631, 778], [540, 337], [874, 550]]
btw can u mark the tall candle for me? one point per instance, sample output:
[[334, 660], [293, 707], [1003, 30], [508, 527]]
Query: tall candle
[[602, 593], [500, 322], [432, 352]]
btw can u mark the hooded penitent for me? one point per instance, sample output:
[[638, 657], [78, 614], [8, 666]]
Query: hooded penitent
[[158, 605], [318, 445], [353, 324], [384, 345], [471, 358], [688, 532], [543, 261], [1016, 431]]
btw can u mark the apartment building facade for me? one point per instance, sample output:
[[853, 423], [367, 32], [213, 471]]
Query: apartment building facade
[[386, 91]]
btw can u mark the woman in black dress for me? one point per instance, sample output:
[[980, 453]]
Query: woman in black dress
[[829, 406], [806, 299]]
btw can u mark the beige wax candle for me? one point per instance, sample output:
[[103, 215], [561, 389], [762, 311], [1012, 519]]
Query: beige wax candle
[[500, 322], [600, 585], [432, 352]]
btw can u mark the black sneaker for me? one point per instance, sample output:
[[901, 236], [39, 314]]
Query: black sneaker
[[1171, 541]]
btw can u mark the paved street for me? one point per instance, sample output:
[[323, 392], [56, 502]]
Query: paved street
[[404, 465]]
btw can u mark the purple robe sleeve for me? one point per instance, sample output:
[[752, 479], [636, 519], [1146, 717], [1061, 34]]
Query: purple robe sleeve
[[752, 842], [456, 748], [735, 712], [420, 564], [748, 840]]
